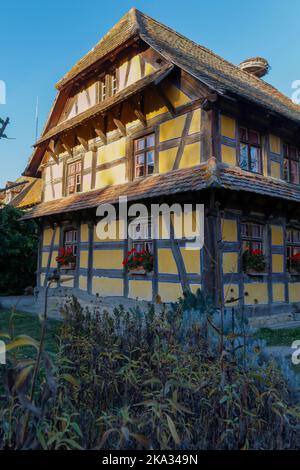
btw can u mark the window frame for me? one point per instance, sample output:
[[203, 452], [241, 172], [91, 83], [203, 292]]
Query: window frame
[[110, 82], [250, 144], [144, 151], [74, 243], [143, 242], [250, 239], [288, 157], [291, 244], [68, 164]]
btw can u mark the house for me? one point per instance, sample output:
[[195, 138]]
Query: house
[[150, 115], [24, 193]]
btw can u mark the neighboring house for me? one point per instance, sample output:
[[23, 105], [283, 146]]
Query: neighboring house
[[150, 115], [24, 193]]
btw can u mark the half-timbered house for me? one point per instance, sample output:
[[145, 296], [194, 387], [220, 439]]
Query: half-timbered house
[[150, 115]]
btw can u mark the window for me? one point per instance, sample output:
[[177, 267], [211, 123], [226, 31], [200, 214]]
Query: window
[[293, 244], [74, 177], [102, 89], [70, 245], [252, 236], [144, 151], [143, 242], [291, 157], [108, 85], [250, 150], [114, 87]]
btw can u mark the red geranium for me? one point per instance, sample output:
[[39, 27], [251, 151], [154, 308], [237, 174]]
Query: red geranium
[[139, 259], [65, 256]]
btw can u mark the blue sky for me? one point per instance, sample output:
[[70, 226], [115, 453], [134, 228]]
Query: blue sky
[[40, 41]]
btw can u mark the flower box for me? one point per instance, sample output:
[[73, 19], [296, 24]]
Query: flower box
[[254, 262], [138, 262], [140, 270]]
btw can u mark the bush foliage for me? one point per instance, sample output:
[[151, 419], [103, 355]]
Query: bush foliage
[[171, 379], [18, 252]]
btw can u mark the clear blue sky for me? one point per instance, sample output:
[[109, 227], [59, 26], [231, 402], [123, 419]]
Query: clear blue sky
[[41, 40]]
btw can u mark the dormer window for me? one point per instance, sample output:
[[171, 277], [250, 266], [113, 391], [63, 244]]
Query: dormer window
[[74, 177], [250, 150], [108, 86], [291, 159]]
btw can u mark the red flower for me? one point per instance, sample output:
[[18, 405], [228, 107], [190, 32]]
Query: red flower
[[256, 252]]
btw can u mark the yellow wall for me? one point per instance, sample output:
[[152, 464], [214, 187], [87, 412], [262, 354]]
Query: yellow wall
[[257, 293], [190, 156], [166, 261], [275, 144], [229, 230], [83, 282], [107, 286], [84, 258], [231, 291], [277, 235], [278, 292], [275, 170], [169, 291], [140, 289], [111, 151], [108, 259], [196, 122], [167, 159], [228, 155], [111, 176], [47, 236], [294, 292], [172, 129], [45, 257], [230, 262], [228, 127], [191, 259], [84, 233], [277, 263]]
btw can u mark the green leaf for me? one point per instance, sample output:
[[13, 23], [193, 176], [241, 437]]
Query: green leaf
[[173, 430], [21, 341]]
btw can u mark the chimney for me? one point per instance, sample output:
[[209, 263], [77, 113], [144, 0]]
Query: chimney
[[257, 66]]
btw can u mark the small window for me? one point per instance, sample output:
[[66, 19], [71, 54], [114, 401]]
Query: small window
[[74, 177], [292, 246], [114, 84], [71, 247], [144, 152], [252, 236], [102, 89], [250, 150], [144, 241], [108, 85], [291, 158]]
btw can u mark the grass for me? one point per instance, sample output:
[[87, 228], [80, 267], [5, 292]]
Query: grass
[[281, 337], [29, 324]]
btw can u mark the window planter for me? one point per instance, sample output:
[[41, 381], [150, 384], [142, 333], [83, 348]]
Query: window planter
[[138, 271], [252, 272]]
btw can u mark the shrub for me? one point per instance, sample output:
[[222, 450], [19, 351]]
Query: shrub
[[18, 252], [154, 380]]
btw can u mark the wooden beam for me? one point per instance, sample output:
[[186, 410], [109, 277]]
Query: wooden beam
[[51, 150], [141, 116], [83, 142], [166, 100], [100, 133], [120, 126], [67, 148]]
